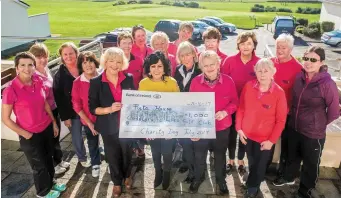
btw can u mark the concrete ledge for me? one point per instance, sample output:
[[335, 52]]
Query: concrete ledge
[[331, 152], [8, 134]]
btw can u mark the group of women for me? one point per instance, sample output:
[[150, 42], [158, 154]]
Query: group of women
[[261, 100]]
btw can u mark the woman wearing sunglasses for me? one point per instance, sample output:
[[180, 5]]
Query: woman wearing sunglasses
[[315, 104]]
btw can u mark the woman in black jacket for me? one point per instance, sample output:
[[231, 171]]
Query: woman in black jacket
[[184, 73], [62, 86], [105, 97]]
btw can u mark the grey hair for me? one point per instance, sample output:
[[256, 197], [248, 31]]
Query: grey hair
[[265, 62], [288, 38], [114, 52], [208, 54], [158, 35], [186, 48]]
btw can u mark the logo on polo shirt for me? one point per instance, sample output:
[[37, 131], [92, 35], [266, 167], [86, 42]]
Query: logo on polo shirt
[[252, 74], [266, 106], [286, 81]]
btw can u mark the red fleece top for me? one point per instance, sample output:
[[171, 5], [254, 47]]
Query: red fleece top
[[286, 75], [136, 69], [240, 73], [261, 115], [226, 98]]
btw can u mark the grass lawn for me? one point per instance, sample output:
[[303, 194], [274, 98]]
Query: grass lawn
[[82, 18]]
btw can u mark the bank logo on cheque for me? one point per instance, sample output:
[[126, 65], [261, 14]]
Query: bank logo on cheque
[[157, 96]]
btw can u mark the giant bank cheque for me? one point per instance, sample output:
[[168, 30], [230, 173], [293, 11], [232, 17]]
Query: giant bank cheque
[[167, 115]]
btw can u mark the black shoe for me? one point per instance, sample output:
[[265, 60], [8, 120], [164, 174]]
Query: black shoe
[[194, 187], [158, 178], [241, 170], [166, 180], [229, 168], [189, 179], [280, 181], [183, 169], [251, 194], [223, 190]]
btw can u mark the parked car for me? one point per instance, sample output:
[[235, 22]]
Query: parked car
[[283, 24], [171, 28], [232, 27], [332, 38], [224, 29], [109, 39], [200, 26]]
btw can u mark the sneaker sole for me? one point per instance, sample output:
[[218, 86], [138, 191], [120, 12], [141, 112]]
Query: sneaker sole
[[288, 183]]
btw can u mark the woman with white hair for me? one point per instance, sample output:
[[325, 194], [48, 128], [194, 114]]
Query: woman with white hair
[[260, 120], [287, 69], [159, 42], [226, 101], [105, 97]]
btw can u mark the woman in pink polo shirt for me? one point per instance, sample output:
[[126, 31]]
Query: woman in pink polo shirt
[[226, 101], [185, 33], [87, 64], [160, 42], [212, 38], [240, 67], [41, 54], [140, 49], [135, 67], [25, 96]]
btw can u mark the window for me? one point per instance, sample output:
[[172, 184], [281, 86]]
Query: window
[[285, 23]]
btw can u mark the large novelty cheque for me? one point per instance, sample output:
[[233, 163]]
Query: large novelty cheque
[[167, 115]]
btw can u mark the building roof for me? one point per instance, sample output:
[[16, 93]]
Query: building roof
[[22, 3], [331, 1]]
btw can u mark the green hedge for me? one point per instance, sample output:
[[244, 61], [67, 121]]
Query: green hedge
[[327, 26], [191, 4], [300, 29], [308, 10], [302, 21], [119, 3]]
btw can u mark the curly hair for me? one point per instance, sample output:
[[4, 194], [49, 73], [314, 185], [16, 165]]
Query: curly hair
[[153, 59]]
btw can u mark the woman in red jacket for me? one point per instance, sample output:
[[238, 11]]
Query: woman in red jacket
[[260, 120], [240, 68], [226, 101]]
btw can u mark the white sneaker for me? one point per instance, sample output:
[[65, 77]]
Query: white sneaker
[[95, 171], [64, 164], [59, 170], [86, 164]]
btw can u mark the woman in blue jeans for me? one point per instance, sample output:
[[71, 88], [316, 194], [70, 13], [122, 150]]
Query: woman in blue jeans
[[62, 87], [87, 64]]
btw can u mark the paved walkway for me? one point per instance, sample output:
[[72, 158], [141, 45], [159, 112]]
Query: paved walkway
[[17, 181]]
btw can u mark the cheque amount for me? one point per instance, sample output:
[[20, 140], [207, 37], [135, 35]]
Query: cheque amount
[[179, 116]]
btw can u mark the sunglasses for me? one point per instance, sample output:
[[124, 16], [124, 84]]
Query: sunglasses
[[313, 60]]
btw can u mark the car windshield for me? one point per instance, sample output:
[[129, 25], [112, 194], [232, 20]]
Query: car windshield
[[212, 21], [219, 20], [285, 23]]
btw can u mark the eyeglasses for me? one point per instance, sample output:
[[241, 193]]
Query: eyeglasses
[[313, 60]]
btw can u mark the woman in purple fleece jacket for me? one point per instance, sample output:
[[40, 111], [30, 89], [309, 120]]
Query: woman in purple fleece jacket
[[315, 105]]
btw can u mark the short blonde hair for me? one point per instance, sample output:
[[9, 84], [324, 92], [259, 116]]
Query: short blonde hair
[[39, 50], [112, 53], [208, 54], [265, 62], [186, 48], [186, 25], [158, 35], [65, 45]]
